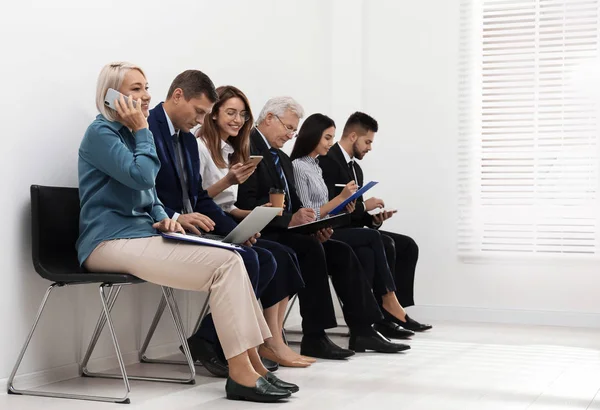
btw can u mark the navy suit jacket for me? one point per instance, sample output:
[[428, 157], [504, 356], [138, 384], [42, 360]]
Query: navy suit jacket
[[168, 186]]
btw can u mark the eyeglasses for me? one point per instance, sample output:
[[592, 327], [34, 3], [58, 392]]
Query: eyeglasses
[[289, 129], [232, 114]]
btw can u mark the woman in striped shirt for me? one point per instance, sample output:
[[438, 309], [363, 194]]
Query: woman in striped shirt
[[316, 138]]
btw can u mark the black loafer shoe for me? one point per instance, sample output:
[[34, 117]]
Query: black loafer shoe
[[206, 353], [277, 382], [413, 325], [375, 342], [392, 330], [270, 365], [263, 392], [323, 348], [410, 323]]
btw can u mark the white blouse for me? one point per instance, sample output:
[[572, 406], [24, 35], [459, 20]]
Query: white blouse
[[210, 174]]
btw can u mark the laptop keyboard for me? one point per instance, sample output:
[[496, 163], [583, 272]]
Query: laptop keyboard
[[209, 236]]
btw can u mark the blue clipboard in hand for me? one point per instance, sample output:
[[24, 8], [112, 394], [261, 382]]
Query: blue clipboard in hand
[[341, 207]]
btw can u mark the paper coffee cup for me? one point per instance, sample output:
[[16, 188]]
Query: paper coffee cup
[[277, 198]]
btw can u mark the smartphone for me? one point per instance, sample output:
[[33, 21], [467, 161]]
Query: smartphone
[[111, 96], [254, 160], [377, 211]]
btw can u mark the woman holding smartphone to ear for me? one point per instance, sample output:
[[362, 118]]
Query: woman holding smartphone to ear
[[121, 217], [224, 146]]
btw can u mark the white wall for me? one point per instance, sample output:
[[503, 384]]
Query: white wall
[[395, 60], [52, 53], [410, 85]]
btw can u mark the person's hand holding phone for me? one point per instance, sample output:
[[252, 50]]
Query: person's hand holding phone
[[383, 216], [239, 173], [129, 115]]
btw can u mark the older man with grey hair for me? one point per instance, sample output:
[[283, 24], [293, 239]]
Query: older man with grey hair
[[318, 255]]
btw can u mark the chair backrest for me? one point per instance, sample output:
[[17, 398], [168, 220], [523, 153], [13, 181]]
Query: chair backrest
[[54, 230]]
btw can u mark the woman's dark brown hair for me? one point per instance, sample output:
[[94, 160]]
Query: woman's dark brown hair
[[211, 135]]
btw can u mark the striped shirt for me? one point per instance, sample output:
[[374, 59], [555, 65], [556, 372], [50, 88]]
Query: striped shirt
[[310, 185]]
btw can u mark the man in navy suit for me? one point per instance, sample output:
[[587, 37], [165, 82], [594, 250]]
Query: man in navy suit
[[191, 96]]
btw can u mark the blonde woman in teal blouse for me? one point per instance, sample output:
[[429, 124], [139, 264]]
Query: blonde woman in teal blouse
[[121, 218]]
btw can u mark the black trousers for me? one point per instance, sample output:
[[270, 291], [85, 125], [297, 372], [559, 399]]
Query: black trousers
[[370, 250], [402, 253], [317, 262], [287, 280]]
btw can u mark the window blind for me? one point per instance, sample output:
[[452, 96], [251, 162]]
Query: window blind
[[528, 133]]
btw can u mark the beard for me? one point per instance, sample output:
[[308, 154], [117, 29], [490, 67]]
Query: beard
[[356, 153]]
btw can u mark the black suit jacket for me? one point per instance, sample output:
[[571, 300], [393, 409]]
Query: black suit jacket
[[336, 171], [255, 191]]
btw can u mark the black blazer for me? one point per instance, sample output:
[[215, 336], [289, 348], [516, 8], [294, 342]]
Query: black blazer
[[336, 171], [255, 191]]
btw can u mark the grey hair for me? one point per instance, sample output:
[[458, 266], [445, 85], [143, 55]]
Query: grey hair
[[278, 106], [112, 76]]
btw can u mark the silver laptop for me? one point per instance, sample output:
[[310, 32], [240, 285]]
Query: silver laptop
[[253, 223]]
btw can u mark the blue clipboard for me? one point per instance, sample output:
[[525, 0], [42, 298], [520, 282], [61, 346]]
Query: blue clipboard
[[342, 207]]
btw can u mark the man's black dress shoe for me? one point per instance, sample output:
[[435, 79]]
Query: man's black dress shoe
[[375, 342], [270, 365], [392, 330], [277, 382], [322, 347], [263, 391], [207, 353], [413, 325], [410, 323]]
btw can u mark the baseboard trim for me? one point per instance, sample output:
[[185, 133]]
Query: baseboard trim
[[434, 313], [71, 371]]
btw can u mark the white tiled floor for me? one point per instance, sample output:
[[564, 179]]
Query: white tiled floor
[[456, 366]]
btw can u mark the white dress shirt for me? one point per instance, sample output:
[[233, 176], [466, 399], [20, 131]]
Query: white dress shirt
[[211, 174]]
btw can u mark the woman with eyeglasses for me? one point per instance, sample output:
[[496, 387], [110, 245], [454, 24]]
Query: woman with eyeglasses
[[224, 146], [316, 138]]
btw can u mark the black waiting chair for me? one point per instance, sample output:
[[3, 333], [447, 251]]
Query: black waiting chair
[[55, 228]]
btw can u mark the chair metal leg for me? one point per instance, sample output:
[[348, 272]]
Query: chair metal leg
[[153, 326], [180, 331], [159, 312], [113, 293], [38, 393]]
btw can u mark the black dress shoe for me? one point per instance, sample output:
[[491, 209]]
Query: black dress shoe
[[375, 342], [207, 353], [392, 330], [277, 382], [410, 324], [263, 392], [322, 347], [413, 325], [270, 365]]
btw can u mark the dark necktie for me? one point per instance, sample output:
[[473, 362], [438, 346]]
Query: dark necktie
[[279, 168], [352, 170], [187, 205]]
